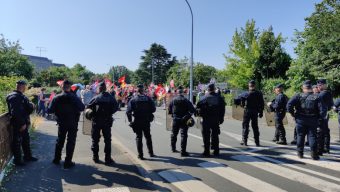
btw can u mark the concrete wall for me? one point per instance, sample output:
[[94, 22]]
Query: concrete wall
[[5, 140]]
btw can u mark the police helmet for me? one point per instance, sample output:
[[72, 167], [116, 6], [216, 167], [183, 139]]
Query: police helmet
[[89, 114], [190, 122]]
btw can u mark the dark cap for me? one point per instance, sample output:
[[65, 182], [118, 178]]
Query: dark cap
[[211, 87], [307, 84], [180, 87], [21, 82], [67, 83], [252, 82], [279, 86], [102, 84], [321, 81], [140, 86]]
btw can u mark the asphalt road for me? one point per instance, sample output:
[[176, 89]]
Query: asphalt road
[[270, 167]]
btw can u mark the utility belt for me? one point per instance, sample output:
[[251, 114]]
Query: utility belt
[[309, 115], [280, 111]]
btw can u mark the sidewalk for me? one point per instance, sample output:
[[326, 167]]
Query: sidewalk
[[43, 176]]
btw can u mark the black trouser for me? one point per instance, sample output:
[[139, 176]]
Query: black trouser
[[210, 128], [177, 124], [21, 140], [143, 128], [324, 135], [103, 125], [280, 132], [70, 130], [304, 126], [250, 115]]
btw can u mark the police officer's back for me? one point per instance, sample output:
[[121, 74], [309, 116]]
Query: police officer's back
[[212, 109], [19, 109], [103, 106], [307, 109], [253, 104], [181, 110], [67, 107], [141, 107]]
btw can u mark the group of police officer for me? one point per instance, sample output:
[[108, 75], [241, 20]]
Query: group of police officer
[[309, 110]]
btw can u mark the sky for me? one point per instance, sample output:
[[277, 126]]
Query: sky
[[103, 33]]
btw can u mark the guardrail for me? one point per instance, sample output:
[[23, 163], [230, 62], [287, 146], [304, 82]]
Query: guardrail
[[5, 140]]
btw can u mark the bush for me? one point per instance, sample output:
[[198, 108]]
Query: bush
[[269, 84], [7, 84], [229, 99]]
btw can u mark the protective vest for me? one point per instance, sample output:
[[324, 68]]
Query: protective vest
[[308, 104], [143, 106], [180, 107]]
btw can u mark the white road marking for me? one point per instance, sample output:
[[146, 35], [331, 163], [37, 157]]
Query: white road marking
[[184, 181], [276, 161], [333, 165], [241, 179], [115, 189], [290, 174]]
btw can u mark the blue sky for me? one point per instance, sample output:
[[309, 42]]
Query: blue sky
[[102, 33]]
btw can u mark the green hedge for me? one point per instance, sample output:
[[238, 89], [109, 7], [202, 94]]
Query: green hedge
[[7, 84]]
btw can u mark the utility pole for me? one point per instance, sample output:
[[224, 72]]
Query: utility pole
[[41, 49], [152, 71], [192, 53]]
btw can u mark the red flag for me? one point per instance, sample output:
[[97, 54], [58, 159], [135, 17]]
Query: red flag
[[160, 91], [108, 83], [121, 79], [60, 82]]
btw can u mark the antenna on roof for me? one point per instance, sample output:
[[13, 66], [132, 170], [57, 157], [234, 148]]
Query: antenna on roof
[[41, 49]]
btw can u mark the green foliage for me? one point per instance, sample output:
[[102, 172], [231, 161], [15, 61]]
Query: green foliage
[[229, 99], [254, 55], [12, 63], [162, 61], [269, 84], [318, 47], [180, 73], [118, 71], [7, 84]]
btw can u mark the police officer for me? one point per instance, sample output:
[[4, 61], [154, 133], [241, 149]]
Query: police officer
[[20, 109], [336, 108], [307, 109], [103, 106], [67, 107], [211, 108], [181, 110], [253, 104], [327, 101], [141, 107], [279, 107]]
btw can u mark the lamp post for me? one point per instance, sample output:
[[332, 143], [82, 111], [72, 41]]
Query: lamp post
[[192, 53]]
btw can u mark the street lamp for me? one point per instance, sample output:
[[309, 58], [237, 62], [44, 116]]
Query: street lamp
[[192, 52]]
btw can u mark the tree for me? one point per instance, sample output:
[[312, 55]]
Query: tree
[[318, 47], [244, 53], [12, 63], [118, 71], [180, 73], [50, 76], [79, 74], [158, 57], [255, 55]]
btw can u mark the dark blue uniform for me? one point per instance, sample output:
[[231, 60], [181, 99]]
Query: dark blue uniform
[[337, 109], [211, 108], [180, 108], [324, 135], [141, 107], [279, 108], [67, 107], [253, 104], [20, 109], [307, 109], [103, 106]]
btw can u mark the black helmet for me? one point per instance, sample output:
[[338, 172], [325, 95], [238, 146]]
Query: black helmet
[[190, 122], [89, 114]]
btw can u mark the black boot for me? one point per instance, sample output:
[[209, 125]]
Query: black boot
[[244, 142], [69, 164], [293, 142], [109, 160], [184, 154], [314, 155], [300, 154], [95, 158], [30, 159]]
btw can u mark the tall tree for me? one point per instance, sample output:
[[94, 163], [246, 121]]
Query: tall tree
[[158, 57], [318, 46], [118, 71], [12, 63]]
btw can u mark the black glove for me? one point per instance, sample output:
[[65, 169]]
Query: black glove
[[221, 121], [261, 114]]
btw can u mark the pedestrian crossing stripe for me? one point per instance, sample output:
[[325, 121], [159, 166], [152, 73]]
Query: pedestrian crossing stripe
[[184, 181], [115, 189], [290, 174], [239, 178]]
